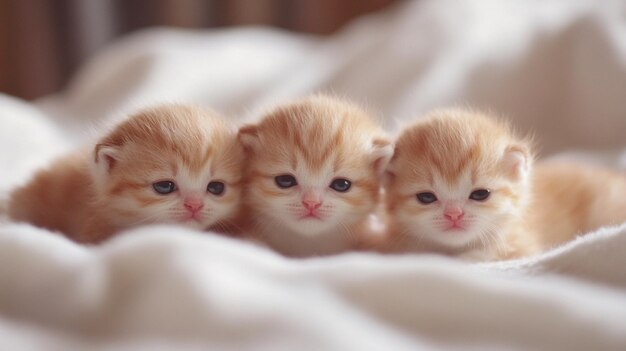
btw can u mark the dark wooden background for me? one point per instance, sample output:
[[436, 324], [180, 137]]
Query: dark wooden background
[[42, 42]]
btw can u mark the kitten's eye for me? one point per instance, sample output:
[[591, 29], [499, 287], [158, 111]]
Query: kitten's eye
[[480, 194], [341, 185], [285, 181], [216, 188], [164, 187], [426, 198]]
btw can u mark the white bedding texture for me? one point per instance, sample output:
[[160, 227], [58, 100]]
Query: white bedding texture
[[555, 68]]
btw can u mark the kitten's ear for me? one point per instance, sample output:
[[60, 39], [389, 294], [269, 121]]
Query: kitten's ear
[[105, 157], [248, 136], [382, 153], [517, 162]]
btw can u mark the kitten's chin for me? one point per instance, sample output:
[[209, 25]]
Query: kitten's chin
[[455, 238], [192, 223], [196, 224], [309, 227], [449, 239]]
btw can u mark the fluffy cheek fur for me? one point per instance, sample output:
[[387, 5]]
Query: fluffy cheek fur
[[278, 207], [483, 221], [131, 199], [142, 206]]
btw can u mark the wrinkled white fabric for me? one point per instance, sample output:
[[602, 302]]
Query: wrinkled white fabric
[[556, 68]]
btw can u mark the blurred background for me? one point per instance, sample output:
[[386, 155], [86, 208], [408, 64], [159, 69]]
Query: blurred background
[[557, 68], [42, 42]]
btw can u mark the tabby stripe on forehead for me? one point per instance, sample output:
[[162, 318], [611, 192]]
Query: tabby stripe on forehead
[[470, 155], [174, 168], [316, 158], [294, 160], [338, 160], [336, 140], [207, 154], [295, 137], [196, 162], [299, 146], [451, 168]]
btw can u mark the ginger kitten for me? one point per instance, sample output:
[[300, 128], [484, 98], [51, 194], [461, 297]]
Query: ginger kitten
[[169, 164], [462, 184], [459, 182], [313, 175]]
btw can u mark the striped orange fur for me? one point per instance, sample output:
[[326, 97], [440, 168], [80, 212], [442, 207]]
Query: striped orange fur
[[452, 153], [316, 140], [90, 197]]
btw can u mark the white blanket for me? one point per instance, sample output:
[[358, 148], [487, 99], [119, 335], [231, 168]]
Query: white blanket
[[557, 68]]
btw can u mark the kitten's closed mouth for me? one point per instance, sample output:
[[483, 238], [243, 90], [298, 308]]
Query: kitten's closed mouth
[[454, 228], [190, 218], [310, 215]]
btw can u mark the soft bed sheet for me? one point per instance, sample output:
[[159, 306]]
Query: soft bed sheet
[[556, 68]]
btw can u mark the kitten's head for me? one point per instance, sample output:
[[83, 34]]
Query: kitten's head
[[314, 165], [456, 178], [169, 164]]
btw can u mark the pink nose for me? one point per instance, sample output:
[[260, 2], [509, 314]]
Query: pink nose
[[193, 205], [311, 204], [453, 214]]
